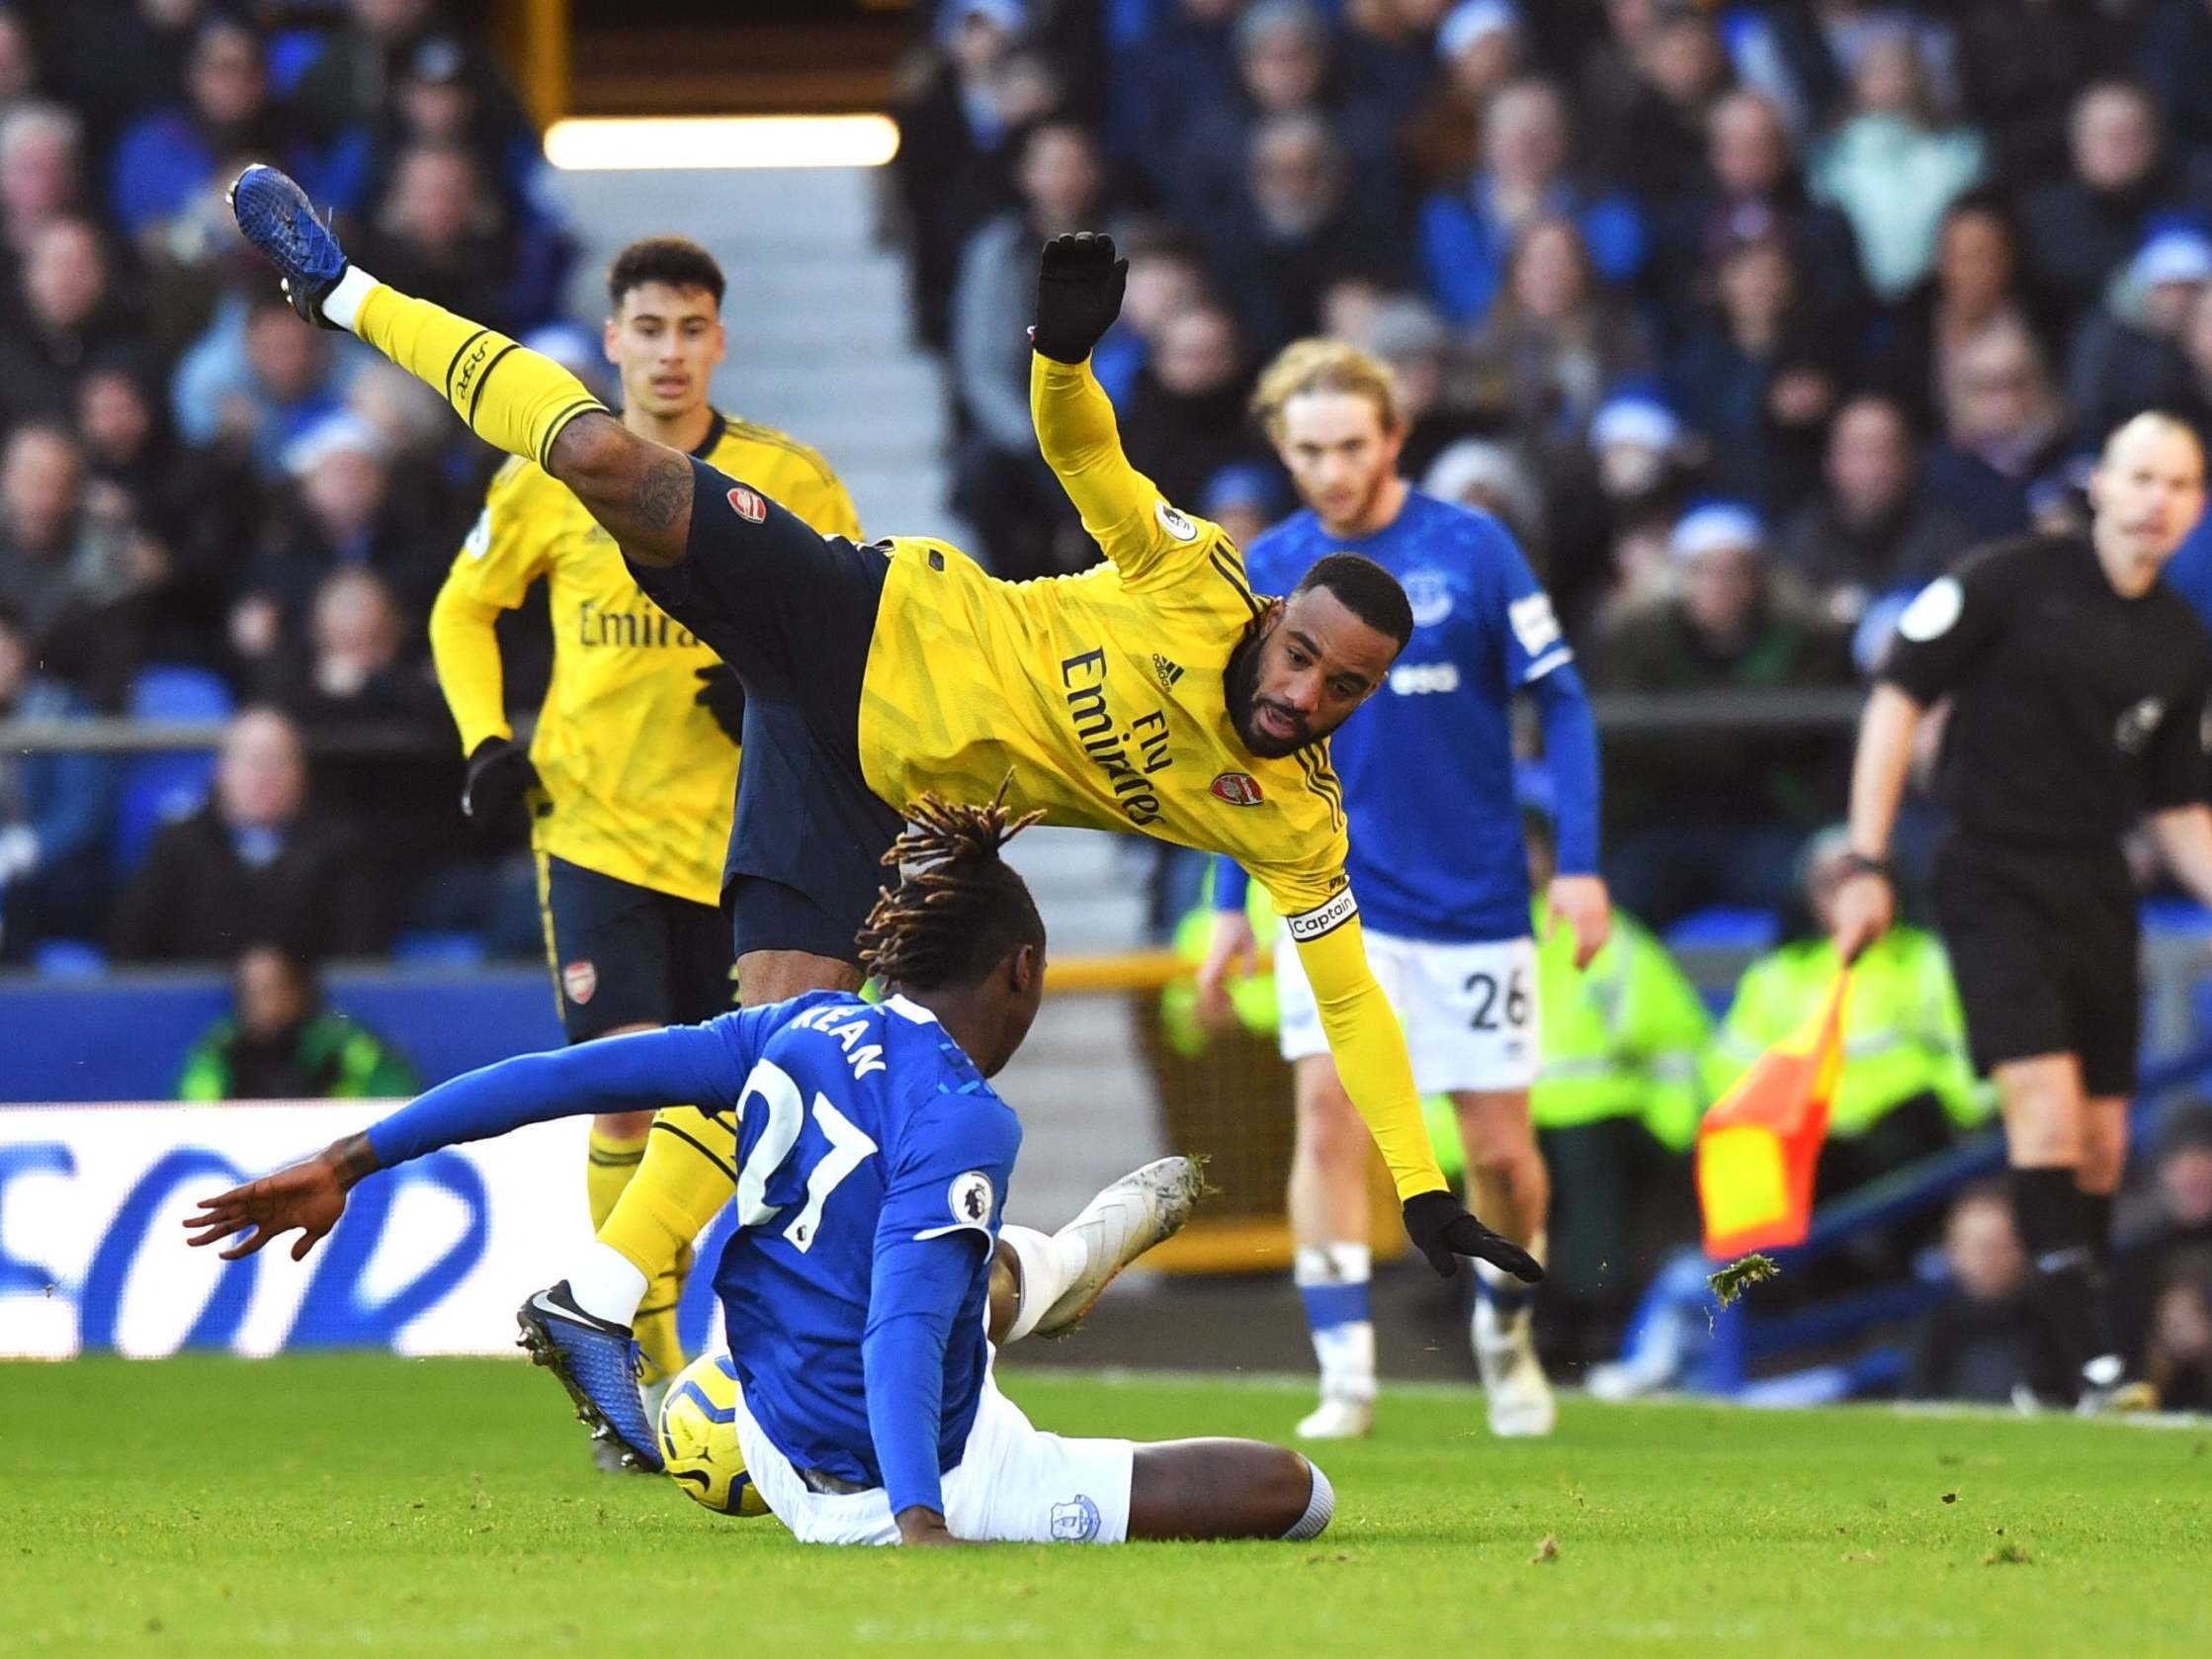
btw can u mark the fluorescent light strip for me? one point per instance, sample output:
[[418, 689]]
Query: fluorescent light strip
[[648, 143]]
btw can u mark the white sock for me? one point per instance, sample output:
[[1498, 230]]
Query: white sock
[[1344, 1345], [342, 305], [1321, 1509], [1045, 1274], [606, 1286]]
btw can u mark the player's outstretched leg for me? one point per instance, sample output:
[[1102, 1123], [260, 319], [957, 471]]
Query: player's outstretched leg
[[514, 399], [1060, 1276], [1226, 1489], [597, 1363]]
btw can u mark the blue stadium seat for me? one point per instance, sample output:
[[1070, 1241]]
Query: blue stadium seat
[[160, 788], [1725, 927], [438, 947], [69, 959]]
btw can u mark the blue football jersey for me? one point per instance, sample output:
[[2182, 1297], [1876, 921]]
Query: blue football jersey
[[859, 1128], [1427, 765]]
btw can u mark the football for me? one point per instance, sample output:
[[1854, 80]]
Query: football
[[699, 1439]]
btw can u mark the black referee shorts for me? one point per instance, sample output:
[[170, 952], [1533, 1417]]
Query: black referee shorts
[[628, 955], [2045, 948], [793, 611]]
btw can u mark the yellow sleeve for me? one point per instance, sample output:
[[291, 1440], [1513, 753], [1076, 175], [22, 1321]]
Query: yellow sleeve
[[1123, 511], [490, 573], [830, 511], [1366, 1042]]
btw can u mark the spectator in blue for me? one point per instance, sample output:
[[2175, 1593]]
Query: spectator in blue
[[1166, 70], [1285, 65], [2005, 432], [258, 376], [2175, 55], [165, 159], [2123, 180], [441, 232], [442, 91], [1245, 498], [1752, 188], [1467, 232], [2127, 354], [1761, 376], [54, 809]]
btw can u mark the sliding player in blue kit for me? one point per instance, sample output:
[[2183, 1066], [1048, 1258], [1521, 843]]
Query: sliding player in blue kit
[[873, 1164], [1438, 862]]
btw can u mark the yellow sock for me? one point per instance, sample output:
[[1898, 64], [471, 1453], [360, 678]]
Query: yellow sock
[[512, 398], [609, 1163], [687, 1175]]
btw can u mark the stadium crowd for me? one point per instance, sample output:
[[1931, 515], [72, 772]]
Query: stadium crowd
[[208, 506], [1746, 318]]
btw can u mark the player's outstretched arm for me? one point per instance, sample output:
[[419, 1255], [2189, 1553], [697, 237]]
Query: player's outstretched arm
[[1079, 294], [637, 1073], [512, 398]]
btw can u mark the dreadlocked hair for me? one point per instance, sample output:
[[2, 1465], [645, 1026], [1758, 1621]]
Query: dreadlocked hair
[[961, 909]]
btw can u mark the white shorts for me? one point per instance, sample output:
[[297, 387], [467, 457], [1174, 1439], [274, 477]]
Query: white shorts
[[1469, 1011], [1014, 1485]]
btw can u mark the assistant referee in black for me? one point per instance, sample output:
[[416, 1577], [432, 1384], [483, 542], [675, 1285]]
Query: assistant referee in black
[[2078, 683]]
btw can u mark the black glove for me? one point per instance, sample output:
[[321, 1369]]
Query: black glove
[[1079, 286], [1443, 1231], [499, 776], [723, 694]]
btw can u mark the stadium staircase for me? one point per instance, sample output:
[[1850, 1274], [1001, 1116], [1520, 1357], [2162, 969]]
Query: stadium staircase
[[819, 346]]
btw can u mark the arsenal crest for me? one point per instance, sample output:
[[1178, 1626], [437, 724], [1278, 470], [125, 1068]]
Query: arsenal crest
[[1238, 789], [579, 980], [748, 504]]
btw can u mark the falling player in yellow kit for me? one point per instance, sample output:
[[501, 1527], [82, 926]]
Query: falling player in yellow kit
[[1154, 692], [632, 772]]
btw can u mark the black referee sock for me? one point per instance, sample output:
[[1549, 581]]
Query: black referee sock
[[2055, 1219], [2099, 1205]]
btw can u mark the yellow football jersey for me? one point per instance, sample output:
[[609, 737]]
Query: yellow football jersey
[[1102, 695], [639, 779]]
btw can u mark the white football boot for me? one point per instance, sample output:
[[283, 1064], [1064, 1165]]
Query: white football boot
[[1514, 1388], [1339, 1417], [1118, 1226]]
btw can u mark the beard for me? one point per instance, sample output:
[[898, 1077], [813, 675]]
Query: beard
[[1241, 693]]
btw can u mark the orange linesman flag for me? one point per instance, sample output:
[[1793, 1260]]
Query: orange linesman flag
[[1760, 1142]]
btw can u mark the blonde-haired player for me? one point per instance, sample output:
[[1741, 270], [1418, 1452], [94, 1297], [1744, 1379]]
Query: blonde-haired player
[[1436, 857], [632, 772]]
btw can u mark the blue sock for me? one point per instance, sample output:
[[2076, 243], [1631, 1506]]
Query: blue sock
[[1332, 1282]]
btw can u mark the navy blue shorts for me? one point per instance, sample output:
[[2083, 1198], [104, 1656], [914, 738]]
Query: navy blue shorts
[[793, 611], [629, 955]]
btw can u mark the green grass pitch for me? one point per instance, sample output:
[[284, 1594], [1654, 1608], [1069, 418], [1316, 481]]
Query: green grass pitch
[[372, 1505]]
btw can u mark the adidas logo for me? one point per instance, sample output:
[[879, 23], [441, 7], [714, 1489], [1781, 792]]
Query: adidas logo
[[1169, 672]]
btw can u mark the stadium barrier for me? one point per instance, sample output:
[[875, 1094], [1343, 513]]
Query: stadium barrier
[[432, 1258]]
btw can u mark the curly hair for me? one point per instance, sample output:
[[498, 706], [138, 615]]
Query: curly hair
[[961, 908]]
